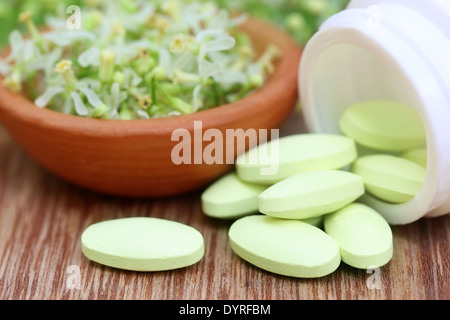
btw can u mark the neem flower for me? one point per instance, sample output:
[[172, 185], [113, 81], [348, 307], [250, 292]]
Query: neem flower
[[72, 90], [137, 59]]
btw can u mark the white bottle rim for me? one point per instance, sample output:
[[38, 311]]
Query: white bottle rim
[[386, 49]]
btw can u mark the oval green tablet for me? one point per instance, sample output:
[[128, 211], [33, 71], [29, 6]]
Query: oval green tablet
[[384, 125], [363, 235], [389, 178], [286, 247], [142, 244], [229, 197], [311, 194], [276, 160], [419, 156]]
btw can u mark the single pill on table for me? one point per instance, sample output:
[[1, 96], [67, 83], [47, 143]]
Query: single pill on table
[[390, 178], [286, 247], [363, 235], [311, 194], [277, 160], [419, 156], [142, 244], [229, 197], [384, 125]]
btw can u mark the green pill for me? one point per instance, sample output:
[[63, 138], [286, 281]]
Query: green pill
[[419, 156], [229, 197], [286, 247], [274, 161], [390, 178], [311, 194], [363, 235], [384, 125], [142, 244]]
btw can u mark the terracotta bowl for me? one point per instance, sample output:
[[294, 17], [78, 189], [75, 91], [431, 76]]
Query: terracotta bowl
[[133, 158]]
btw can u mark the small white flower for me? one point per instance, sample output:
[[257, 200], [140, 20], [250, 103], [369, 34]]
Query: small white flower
[[197, 97], [165, 61], [13, 82], [17, 44], [142, 114], [132, 79], [114, 99], [180, 43], [47, 96], [107, 64], [66, 83], [229, 77], [91, 96], [185, 61], [21, 56], [90, 57], [195, 13], [5, 68], [67, 38], [221, 43], [80, 107]]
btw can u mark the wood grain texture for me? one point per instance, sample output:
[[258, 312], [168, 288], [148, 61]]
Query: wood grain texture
[[42, 218]]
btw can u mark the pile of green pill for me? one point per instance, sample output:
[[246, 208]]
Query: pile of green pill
[[394, 169], [304, 219], [300, 220]]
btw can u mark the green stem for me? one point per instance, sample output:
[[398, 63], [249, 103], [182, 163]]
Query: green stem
[[175, 103], [218, 94], [153, 93]]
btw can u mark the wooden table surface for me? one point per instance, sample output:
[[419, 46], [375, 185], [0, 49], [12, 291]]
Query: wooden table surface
[[42, 219]]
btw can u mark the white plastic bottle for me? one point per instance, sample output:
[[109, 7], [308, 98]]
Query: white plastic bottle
[[386, 49]]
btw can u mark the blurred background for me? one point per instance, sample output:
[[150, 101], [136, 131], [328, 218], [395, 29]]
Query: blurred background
[[301, 18]]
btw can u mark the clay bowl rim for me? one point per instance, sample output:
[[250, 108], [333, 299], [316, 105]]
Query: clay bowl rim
[[19, 106]]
